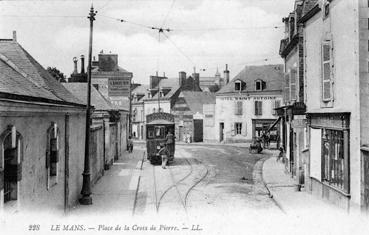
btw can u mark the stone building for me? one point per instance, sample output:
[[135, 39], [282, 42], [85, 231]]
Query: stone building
[[244, 108], [336, 81], [292, 112], [189, 116], [108, 121], [41, 136], [138, 111]]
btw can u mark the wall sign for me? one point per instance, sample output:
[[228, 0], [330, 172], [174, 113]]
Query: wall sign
[[119, 86], [249, 98]]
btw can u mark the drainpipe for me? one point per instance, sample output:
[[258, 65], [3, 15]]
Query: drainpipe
[[66, 163]]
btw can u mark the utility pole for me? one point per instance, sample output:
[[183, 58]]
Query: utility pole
[[86, 186]]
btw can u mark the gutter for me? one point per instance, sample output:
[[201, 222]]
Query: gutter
[[38, 99]]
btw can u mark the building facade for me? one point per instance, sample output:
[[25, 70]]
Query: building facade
[[292, 113], [41, 136], [244, 108], [337, 101]]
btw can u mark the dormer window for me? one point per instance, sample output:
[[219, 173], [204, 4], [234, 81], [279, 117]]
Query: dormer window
[[238, 86], [149, 95], [260, 85]]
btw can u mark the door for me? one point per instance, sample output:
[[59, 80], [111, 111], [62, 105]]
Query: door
[[292, 150], [221, 131], [180, 133], [198, 130]]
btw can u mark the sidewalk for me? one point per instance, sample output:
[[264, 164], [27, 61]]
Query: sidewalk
[[115, 192], [283, 190]]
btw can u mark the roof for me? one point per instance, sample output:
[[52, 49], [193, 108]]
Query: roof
[[171, 83], [196, 99], [141, 89], [271, 74], [79, 89], [21, 75]]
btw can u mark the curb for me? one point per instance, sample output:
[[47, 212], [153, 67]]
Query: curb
[[271, 196]]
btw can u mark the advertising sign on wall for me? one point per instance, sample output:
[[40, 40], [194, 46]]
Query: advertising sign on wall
[[119, 86]]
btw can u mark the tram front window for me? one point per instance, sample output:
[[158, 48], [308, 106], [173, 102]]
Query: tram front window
[[159, 132]]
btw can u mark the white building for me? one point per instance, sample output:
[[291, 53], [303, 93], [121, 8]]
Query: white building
[[245, 106], [337, 89]]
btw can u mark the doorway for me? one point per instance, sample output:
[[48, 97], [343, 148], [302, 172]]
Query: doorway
[[221, 131], [11, 168]]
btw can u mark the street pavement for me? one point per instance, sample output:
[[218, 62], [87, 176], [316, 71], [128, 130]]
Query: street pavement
[[115, 192], [217, 189]]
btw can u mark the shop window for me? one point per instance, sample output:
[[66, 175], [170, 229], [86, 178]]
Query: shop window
[[11, 170], [258, 107], [334, 164], [238, 108], [52, 155], [238, 128]]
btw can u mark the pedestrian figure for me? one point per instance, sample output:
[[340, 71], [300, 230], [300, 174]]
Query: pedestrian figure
[[263, 138], [267, 139], [281, 154], [170, 142], [130, 144], [164, 153]]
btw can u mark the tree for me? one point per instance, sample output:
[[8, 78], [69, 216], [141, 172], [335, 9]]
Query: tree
[[59, 76]]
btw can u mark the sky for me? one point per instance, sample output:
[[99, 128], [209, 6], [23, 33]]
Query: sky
[[205, 34]]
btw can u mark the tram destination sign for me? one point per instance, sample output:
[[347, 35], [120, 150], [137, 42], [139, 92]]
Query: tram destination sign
[[119, 86], [159, 116]]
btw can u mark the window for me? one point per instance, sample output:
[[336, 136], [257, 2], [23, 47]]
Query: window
[[334, 166], [258, 107], [134, 115], [327, 94], [258, 85], [52, 154], [11, 167], [153, 110], [238, 108], [238, 128], [276, 104], [237, 86], [293, 84]]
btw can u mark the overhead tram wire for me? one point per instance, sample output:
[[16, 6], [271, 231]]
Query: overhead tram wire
[[170, 40], [166, 17]]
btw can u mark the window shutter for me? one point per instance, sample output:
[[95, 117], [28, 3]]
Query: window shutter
[[293, 84], [238, 108], [287, 88], [244, 129], [256, 108], [326, 73], [47, 159], [260, 108], [233, 129]]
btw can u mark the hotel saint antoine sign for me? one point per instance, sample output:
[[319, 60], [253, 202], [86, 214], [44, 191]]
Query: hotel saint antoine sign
[[119, 86], [248, 98]]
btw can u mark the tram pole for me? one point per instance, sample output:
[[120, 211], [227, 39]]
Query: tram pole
[[86, 186]]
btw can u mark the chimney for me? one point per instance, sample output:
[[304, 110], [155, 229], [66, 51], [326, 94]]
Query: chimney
[[14, 36], [75, 60], [226, 75], [182, 78], [82, 64]]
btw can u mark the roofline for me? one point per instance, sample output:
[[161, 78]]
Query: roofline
[[37, 99], [247, 93], [310, 14]]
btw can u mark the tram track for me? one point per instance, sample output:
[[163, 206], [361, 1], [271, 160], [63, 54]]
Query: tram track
[[183, 197]]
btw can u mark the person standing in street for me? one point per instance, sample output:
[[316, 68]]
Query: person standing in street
[[170, 142], [130, 144], [164, 153]]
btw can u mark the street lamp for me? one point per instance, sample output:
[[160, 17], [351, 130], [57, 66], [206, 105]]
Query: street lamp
[[86, 186]]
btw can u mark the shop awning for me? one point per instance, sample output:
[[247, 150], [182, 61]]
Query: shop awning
[[274, 124]]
